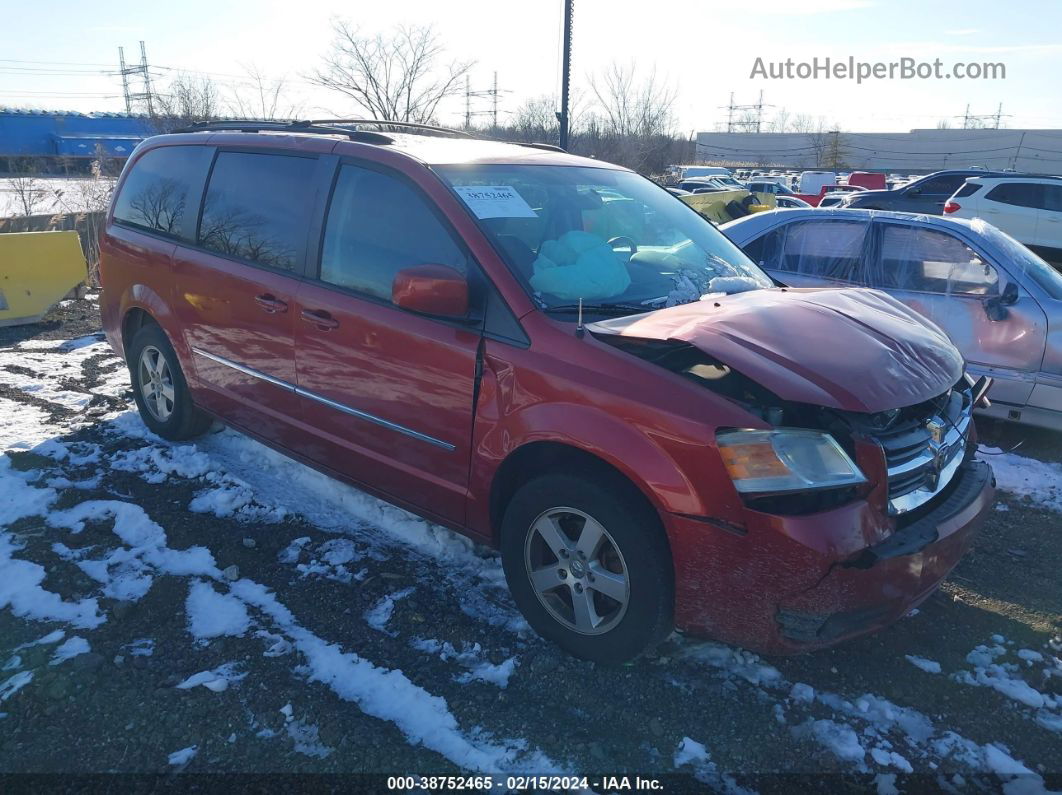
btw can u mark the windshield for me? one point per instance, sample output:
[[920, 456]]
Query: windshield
[[1038, 270], [610, 238]]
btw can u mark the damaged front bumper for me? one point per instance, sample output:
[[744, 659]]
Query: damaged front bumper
[[797, 583]]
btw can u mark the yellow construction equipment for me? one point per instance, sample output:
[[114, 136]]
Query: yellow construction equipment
[[714, 205], [37, 269]]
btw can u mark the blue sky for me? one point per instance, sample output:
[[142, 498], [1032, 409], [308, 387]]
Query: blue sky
[[704, 48]]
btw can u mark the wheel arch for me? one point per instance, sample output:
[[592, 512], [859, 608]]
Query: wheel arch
[[541, 457], [134, 319], [141, 305]]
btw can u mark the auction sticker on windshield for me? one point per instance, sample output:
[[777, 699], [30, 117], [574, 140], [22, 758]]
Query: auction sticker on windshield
[[494, 201]]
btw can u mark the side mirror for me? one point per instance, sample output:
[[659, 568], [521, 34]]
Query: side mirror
[[1010, 294], [431, 290], [913, 191], [996, 306]]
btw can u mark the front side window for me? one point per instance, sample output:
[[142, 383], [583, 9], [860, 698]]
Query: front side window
[[1020, 259], [825, 249], [161, 193], [377, 225], [929, 261], [257, 207], [1018, 194], [608, 237]]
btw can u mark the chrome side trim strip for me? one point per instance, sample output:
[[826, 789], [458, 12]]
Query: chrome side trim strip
[[244, 369], [364, 415], [353, 412]]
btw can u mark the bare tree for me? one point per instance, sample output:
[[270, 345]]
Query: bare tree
[[29, 190], [535, 119], [629, 106], [399, 76], [261, 97], [632, 120], [187, 99], [779, 122]]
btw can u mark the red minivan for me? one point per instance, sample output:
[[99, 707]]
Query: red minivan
[[558, 358]]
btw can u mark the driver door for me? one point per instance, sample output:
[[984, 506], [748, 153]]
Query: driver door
[[388, 393], [945, 279]]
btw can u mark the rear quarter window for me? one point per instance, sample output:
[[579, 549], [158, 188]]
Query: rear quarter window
[[162, 190]]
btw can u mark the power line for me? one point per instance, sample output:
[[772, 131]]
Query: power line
[[145, 75], [979, 122], [752, 120]]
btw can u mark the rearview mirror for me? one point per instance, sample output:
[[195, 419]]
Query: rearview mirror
[[431, 290]]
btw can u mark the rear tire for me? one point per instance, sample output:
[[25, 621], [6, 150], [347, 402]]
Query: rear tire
[[160, 389], [588, 565]]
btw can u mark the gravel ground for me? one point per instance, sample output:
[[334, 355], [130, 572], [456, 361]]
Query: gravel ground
[[823, 722]]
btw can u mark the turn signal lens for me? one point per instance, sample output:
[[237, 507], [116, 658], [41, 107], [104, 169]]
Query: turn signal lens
[[786, 459]]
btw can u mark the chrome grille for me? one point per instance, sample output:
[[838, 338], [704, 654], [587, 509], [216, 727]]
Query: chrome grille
[[923, 451]]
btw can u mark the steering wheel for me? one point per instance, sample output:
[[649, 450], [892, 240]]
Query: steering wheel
[[624, 239]]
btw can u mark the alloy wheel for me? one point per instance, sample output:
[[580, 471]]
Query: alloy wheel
[[156, 383], [577, 570]]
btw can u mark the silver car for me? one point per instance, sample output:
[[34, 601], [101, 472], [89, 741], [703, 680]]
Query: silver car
[[1000, 303]]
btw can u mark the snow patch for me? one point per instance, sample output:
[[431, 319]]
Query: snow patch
[[380, 613], [929, 666], [212, 614], [184, 756], [1039, 481], [472, 658], [69, 648], [217, 679]]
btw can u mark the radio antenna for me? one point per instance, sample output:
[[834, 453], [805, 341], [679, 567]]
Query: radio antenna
[[579, 331]]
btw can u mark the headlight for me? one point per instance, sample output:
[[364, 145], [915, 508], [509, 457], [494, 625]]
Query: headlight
[[786, 459]]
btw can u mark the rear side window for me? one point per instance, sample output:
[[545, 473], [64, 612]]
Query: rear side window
[[941, 186], [257, 208], [929, 261], [1053, 198], [1018, 194], [827, 249], [162, 190], [969, 189], [378, 224]]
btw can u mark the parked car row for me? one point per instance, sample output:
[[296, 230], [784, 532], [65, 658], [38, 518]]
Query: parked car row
[[512, 342]]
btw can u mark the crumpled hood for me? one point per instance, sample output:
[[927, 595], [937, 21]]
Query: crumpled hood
[[851, 349]]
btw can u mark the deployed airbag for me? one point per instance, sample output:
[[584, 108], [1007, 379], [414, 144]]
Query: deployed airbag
[[579, 265]]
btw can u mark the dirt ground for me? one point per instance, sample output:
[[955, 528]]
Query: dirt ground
[[116, 708]]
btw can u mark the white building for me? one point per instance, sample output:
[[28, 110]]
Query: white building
[[1037, 151]]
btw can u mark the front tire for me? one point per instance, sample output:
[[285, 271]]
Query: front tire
[[160, 389], [588, 565]]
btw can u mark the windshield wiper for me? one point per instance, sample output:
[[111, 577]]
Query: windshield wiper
[[601, 309]]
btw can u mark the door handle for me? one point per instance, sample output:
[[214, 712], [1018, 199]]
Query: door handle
[[270, 303], [320, 318]]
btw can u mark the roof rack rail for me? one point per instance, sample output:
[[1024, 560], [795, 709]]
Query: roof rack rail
[[537, 145], [402, 124], [338, 127], [304, 126]]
